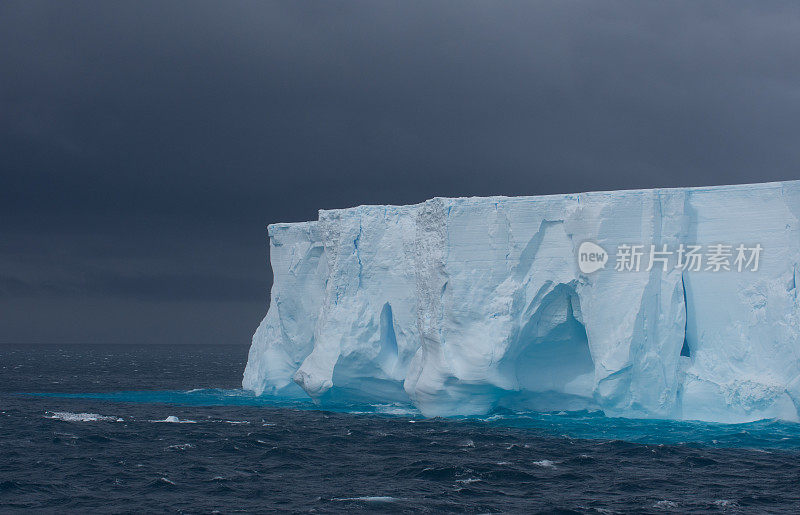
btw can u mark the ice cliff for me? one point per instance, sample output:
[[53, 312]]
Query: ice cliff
[[465, 304]]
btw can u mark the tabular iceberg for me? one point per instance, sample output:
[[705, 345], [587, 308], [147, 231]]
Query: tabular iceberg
[[461, 305]]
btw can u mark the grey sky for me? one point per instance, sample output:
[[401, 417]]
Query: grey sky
[[145, 145]]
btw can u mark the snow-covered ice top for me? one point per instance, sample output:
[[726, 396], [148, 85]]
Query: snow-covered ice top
[[465, 304]]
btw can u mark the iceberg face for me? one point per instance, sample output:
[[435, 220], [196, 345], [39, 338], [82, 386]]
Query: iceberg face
[[466, 304]]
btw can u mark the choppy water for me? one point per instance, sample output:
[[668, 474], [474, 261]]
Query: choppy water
[[120, 429]]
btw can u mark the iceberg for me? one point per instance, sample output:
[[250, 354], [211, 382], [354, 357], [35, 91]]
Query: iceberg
[[556, 302]]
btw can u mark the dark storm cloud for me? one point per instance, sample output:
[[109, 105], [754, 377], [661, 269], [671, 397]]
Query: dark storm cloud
[[145, 145]]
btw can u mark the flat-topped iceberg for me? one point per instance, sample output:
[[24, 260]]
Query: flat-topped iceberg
[[670, 303]]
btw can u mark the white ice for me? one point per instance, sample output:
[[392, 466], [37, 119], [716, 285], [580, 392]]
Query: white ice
[[462, 305]]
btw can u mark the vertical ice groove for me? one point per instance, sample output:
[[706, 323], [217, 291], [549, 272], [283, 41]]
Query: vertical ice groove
[[387, 358], [462, 305], [355, 250], [686, 350]]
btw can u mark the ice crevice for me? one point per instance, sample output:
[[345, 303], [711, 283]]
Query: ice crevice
[[462, 305]]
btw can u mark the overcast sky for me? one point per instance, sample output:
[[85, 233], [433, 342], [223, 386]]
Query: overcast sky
[[145, 145]]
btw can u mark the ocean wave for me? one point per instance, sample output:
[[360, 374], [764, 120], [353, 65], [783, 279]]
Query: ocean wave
[[66, 416], [376, 498], [172, 419]]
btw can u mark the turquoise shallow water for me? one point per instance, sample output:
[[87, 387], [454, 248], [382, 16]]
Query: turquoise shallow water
[[764, 434]]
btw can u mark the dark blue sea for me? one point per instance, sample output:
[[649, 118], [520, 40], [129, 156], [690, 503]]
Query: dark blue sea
[[123, 429]]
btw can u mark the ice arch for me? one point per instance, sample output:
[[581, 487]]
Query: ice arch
[[549, 359]]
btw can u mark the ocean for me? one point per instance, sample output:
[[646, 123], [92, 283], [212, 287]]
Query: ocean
[[120, 429]]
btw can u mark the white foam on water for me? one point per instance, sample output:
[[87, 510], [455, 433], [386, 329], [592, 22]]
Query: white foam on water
[[367, 499], [181, 446], [665, 504], [174, 420], [66, 416], [544, 463], [394, 409]]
